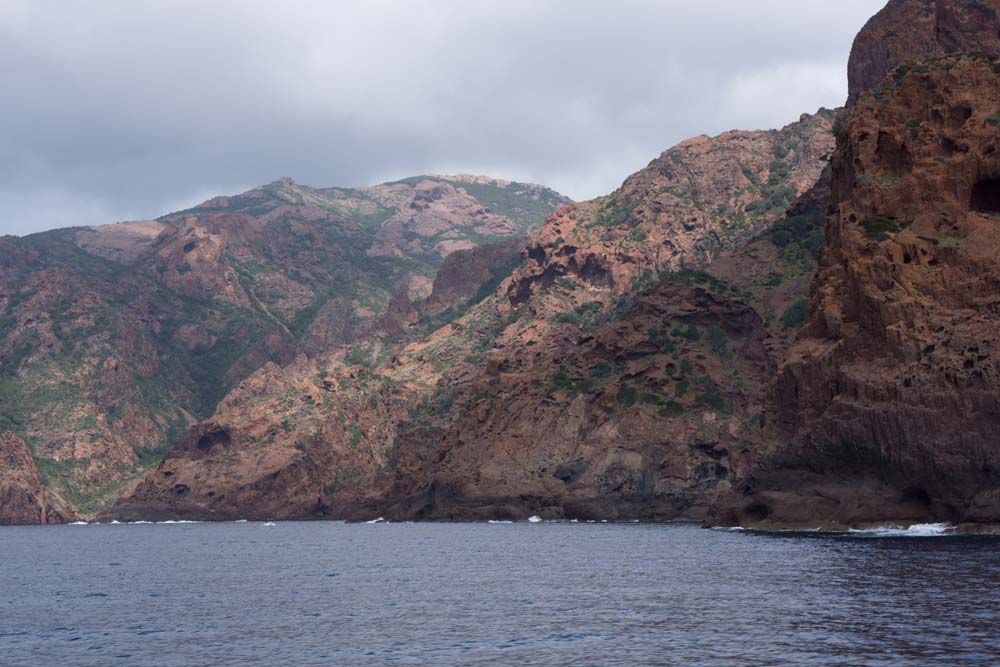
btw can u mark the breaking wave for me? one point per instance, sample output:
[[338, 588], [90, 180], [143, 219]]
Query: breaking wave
[[916, 530]]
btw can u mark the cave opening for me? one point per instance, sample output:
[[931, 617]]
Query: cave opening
[[916, 496], [758, 511], [986, 196]]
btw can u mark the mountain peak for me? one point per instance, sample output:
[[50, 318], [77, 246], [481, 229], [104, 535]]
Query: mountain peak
[[916, 30]]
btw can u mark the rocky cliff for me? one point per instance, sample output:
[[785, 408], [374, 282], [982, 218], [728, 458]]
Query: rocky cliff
[[887, 407], [114, 340], [915, 30], [580, 361], [658, 353], [23, 498]]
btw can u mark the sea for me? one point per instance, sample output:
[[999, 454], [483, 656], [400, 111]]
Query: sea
[[510, 594]]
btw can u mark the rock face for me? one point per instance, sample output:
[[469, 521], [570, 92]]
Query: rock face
[[915, 30], [124, 243], [653, 354], [888, 407], [467, 273], [593, 381], [701, 197], [114, 340], [23, 499], [642, 419]]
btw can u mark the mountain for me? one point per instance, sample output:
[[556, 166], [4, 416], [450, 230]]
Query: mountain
[[608, 323], [114, 340], [918, 30], [746, 332], [885, 409]]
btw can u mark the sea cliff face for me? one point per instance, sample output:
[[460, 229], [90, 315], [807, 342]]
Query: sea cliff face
[[115, 340], [609, 375], [886, 407], [915, 30], [742, 333]]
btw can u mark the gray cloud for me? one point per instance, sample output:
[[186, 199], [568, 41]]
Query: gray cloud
[[121, 110]]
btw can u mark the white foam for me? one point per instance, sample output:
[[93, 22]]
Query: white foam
[[171, 521], [378, 520], [270, 523], [496, 521], [534, 519], [78, 523], [115, 522], [916, 530], [136, 523]]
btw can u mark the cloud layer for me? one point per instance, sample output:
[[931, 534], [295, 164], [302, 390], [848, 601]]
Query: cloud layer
[[123, 110]]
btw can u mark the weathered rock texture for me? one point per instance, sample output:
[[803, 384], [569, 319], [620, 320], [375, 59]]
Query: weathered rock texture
[[593, 381], [114, 340], [915, 30], [888, 407], [23, 499]]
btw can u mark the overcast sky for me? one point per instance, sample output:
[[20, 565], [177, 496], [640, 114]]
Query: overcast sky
[[116, 110]]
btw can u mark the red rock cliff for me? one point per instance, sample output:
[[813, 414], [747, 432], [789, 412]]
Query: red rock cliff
[[889, 407], [915, 30]]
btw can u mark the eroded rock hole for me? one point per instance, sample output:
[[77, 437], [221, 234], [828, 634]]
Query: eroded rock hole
[[958, 116], [570, 472], [986, 196], [758, 511], [916, 496], [188, 247], [892, 153], [181, 489], [213, 438]]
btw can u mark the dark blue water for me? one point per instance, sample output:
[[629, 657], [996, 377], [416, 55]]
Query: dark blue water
[[307, 594]]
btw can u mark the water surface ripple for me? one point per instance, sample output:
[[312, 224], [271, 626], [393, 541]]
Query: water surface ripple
[[307, 594]]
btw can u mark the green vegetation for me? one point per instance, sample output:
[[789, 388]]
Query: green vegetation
[[581, 315], [775, 195], [662, 338], [12, 417], [627, 396], [718, 342], [798, 238], [795, 315], [697, 278], [560, 381], [994, 120], [615, 214], [356, 436], [984, 8], [942, 240], [671, 409], [360, 355], [514, 201], [880, 228], [690, 332], [681, 388], [710, 397], [903, 70], [601, 370]]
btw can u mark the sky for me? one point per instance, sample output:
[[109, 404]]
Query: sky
[[119, 110]]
